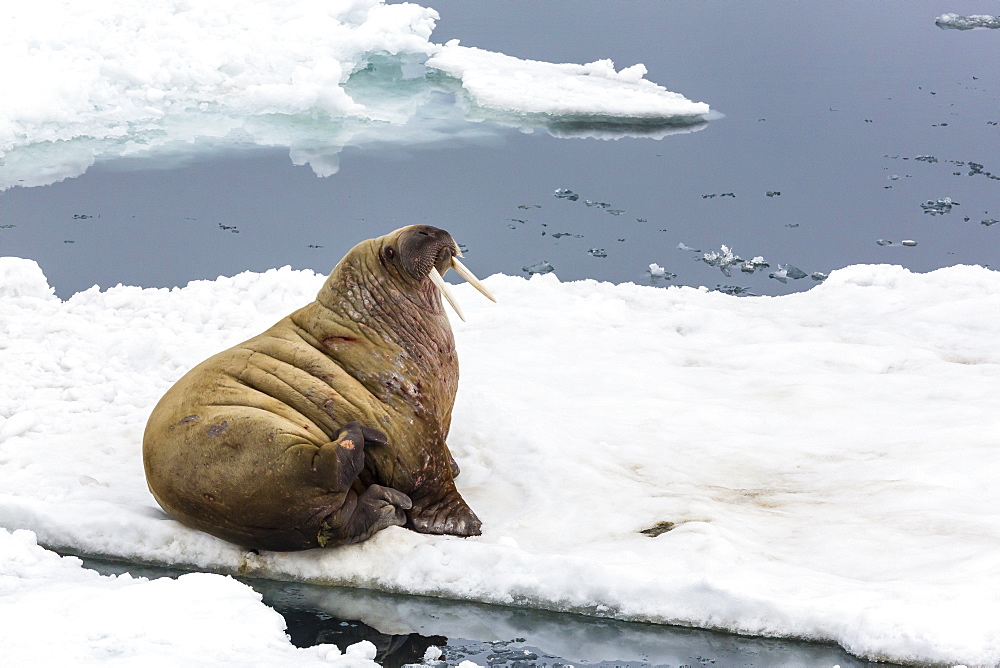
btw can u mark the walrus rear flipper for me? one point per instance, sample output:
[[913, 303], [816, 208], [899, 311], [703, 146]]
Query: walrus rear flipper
[[448, 514]]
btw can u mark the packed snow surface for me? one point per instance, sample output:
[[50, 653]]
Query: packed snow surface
[[820, 465], [106, 78]]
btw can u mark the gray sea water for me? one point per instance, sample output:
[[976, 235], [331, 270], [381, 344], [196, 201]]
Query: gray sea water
[[841, 123], [846, 129]]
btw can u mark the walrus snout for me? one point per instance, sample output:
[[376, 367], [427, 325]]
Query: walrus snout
[[429, 252], [423, 248]]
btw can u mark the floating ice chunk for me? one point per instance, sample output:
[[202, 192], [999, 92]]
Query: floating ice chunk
[[773, 193], [938, 207], [883, 242], [684, 247], [97, 80], [750, 266], [926, 158], [792, 271], [734, 290], [566, 193], [598, 252], [615, 212], [658, 272], [542, 267], [957, 22], [590, 202], [502, 87], [786, 271], [908, 242], [989, 221], [724, 259], [818, 276]]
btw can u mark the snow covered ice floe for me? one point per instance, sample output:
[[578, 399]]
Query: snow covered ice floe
[[104, 79], [827, 459], [55, 612]]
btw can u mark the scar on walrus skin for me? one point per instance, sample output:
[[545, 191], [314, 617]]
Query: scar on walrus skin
[[330, 426]]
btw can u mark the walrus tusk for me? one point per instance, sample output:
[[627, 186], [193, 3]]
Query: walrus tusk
[[464, 272], [435, 277]]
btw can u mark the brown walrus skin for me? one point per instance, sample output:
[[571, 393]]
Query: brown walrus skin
[[329, 426]]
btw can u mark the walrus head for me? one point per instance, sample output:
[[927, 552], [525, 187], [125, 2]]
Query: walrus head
[[426, 252]]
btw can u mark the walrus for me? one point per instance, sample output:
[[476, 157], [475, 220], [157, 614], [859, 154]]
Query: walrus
[[331, 425]]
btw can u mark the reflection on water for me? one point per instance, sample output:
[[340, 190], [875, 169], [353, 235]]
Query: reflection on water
[[402, 628]]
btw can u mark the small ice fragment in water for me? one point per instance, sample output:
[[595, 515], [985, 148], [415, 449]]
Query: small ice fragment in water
[[753, 265], [590, 202], [957, 22], [656, 271], [598, 252], [989, 221], [780, 275], [773, 193], [728, 195], [883, 242], [734, 290], [432, 654], [894, 177], [559, 235], [792, 271], [724, 259], [683, 246], [908, 242], [926, 158], [566, 193], [616, 212], [792, 225], [542, 267], [938, 207], [818, 276]]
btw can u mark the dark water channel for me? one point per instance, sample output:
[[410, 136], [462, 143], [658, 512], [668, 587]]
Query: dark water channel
[[402, 628]]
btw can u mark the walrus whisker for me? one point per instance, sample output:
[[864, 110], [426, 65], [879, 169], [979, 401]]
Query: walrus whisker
[[464, 272], [436, 278]]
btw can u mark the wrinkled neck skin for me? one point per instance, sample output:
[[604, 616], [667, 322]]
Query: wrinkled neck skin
[[390, 333]]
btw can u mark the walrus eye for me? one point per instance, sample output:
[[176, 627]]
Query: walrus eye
[[390, 252]]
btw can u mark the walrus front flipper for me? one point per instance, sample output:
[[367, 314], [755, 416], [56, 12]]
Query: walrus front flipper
[[337, 464]]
